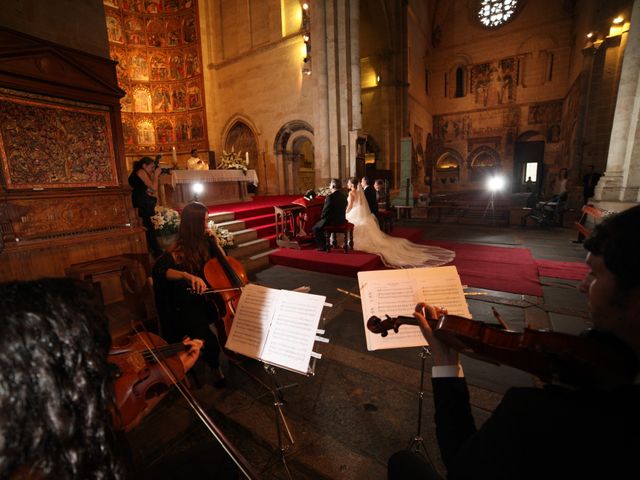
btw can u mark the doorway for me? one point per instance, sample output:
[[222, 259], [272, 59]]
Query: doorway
[[528, 167]]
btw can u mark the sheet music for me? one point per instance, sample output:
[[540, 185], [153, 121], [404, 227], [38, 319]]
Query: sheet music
[[252, 320], [293, 330], [276, 326], [396, 292]]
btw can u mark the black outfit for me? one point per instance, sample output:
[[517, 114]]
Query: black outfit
[[146, 209], [553, 432], [372, 199], [589, 182], [183, 313], [333, 213]]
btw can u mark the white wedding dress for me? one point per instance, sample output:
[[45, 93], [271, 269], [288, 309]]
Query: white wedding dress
[[395, 252]]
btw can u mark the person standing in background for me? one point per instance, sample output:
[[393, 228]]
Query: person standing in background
[[144, 182], [589, 182]]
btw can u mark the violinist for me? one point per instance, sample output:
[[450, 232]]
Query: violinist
[[178, 280], [56, 387], [591, 431]]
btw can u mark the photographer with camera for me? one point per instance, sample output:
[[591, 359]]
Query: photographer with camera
[[144, 181]]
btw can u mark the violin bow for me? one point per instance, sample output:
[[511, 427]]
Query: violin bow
[[243, 464]]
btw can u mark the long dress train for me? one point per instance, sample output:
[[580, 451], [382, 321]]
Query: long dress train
[[394, 252]]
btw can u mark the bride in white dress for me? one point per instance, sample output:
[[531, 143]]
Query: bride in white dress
[[393, 251]]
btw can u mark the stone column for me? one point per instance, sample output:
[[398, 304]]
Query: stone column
[[619, 187]]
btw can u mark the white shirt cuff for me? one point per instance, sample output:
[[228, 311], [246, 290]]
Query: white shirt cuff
[[447, 371]]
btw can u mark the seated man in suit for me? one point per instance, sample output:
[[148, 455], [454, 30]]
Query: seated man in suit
[[335, 206], [370, 195]]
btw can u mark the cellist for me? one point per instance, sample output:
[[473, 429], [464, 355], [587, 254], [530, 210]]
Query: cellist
[[558, 431], [178, 281]]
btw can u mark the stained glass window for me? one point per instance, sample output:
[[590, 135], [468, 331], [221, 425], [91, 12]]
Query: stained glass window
[[493, 13]]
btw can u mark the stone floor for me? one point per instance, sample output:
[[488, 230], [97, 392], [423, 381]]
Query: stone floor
[[360, 406]]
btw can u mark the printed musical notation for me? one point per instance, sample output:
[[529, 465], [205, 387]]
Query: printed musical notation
[[276, 326], [396, 292]]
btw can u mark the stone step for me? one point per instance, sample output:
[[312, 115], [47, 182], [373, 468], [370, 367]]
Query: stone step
[[251, 247], [232, 225], [221, 217], [257, 262], [242, 236]]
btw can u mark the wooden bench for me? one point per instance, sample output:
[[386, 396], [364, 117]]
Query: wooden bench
[[590, 216], [346, 229]]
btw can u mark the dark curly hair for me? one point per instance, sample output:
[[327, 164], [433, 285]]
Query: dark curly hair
[[617, 240], [55, 385]]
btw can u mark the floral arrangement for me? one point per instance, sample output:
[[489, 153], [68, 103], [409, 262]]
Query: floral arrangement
[[165, 221], [224, 236], [324, 191], [234, 161]]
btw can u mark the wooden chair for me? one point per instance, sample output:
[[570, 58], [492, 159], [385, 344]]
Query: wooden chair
[[346, 229], [385, 218]]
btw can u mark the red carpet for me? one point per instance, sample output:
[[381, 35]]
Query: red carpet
[[502, 269], [494, 268], [565, 270]]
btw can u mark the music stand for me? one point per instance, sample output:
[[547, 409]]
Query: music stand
[[417, 443]]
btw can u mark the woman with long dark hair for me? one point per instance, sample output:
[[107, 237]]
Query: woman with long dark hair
[[178, 279], [144, 182]]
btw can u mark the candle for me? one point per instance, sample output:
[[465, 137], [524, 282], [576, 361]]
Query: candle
[[175, 157], [247, 157]]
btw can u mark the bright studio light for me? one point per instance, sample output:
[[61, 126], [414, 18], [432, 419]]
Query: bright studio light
[[197, 188], [495, 183]]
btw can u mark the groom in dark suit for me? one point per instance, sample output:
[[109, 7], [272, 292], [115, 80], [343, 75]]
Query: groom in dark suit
[[370, 195], [335, 206]]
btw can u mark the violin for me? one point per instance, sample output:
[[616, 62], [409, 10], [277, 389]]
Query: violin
[[226, 277], [593, 359], [141, 380]]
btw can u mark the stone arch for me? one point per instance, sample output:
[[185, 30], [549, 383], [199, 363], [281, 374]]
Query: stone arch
[[240, 135], [292, 147], [537, 57], [483, 161], [458, 76], [447, 168]]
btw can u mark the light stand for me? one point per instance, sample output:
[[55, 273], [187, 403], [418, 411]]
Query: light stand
[[417, 443]]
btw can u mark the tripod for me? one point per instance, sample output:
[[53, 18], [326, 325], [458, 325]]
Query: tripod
[[490, 206], [417, 443], [282, 428]]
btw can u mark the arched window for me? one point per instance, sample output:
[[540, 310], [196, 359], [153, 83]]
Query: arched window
[[459, 82]]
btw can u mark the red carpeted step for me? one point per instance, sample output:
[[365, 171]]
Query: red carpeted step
[[336, 261], [256, 221]]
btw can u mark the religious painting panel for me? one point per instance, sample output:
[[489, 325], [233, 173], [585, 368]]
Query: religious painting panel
[[545, 113], [176, 67], [192, 63], [161, 100], [111, 3], [173, 32], [152, 6], [189, 32], [119, 55], [164, 131], [128, 132], [114, 29], [495, 83], [146, 132], [139, 66], [179, 98], [155, 34], [182, 129], [134, 30], [186, 4], [193, 95], [197, 126], [47, 144], [132, 5], [142, 99], [170, 5], [159, 68], [126, 103]]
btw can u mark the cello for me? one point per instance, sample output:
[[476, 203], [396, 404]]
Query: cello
[[226, 277], [595, 358]]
